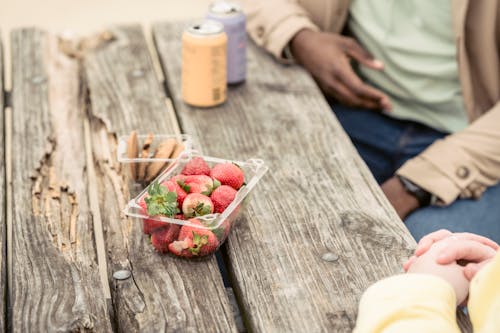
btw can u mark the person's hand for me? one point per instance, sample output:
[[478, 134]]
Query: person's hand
[[403, 202], [451, 272], [474, 255], [427, 241], [327, 57]]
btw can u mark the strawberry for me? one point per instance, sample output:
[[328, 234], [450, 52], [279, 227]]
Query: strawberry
[[162, 237], [225, 227], [175, 187], [222, 196], [178, 178], [194, 241], [199, 184], [197, 204], [223, 230], [196, 166], [181, 248], [228, 174], [149, 225]]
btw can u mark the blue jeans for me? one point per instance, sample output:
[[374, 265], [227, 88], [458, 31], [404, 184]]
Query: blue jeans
[[386, 143]]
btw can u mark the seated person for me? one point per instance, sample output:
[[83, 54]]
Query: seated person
[[416, 85], [446, 270]]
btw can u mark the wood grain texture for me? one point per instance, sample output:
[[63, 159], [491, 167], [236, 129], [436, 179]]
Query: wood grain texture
[[318, 197], [55, 283], [164, 293], [3, 193]]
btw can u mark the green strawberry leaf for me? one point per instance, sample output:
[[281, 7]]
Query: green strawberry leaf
[[194, 250], [201, 209], [184, 186], [219, 233], [210, 189], [196, 238], [160, 201], [198, 242]]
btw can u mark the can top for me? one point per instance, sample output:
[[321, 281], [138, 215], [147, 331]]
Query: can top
[[224, 8], [205, 28]]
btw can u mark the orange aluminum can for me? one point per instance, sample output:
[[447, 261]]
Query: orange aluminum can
[[204, 64]]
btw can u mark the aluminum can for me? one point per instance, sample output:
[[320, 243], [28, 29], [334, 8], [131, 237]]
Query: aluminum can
[[234, 21], [204, 64]]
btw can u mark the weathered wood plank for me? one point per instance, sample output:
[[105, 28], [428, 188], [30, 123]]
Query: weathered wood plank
[[317, 198], [55, 284], [3, 193], [165, 293]]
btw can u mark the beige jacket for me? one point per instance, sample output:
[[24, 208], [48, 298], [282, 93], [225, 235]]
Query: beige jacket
[[461, 165]]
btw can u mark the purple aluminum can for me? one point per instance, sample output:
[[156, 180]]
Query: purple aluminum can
[[234, 21]]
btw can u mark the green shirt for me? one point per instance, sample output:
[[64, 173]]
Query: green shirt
[[415, 41]]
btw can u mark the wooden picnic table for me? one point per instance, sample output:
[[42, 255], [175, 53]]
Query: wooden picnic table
[[316, 233]]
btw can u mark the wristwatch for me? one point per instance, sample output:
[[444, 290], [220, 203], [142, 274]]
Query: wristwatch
[[423, 197], [287, 53]]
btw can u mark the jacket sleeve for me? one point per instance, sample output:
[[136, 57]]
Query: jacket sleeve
[[408, 303], [272, 24], [484, 298], [461, 165]]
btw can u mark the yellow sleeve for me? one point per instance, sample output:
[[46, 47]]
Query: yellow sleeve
[[408, 303], [484, 299]]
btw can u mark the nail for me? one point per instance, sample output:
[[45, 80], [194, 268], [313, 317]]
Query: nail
[[37, 79], [122, 274], [330, 257], [137, 73]]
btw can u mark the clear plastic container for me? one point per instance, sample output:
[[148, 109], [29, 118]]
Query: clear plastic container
[[143, 169], [220, 224]]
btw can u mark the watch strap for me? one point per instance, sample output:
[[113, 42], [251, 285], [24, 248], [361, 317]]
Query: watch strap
[[423, 197]]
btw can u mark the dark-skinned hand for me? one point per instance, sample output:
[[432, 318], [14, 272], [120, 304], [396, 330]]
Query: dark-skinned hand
[[328, 56]]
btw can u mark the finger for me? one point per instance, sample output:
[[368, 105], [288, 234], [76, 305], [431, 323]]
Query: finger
[[409, 262], [351, 80], [465, 250], [345, 96], [477, 238], [471, 269], [426, 242], [357, 52]]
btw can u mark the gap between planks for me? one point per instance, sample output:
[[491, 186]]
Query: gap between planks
[[8, 208], [96, 211], [155, 58], [7, 125]]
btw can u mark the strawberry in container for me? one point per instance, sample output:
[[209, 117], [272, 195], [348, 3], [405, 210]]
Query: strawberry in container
[[190, 209]]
